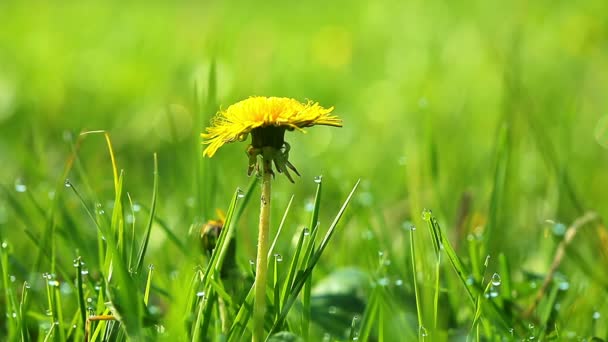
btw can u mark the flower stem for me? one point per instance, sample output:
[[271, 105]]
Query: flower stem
[[261, 269]]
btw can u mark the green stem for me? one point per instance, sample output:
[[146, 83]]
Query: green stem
[[261, 269]]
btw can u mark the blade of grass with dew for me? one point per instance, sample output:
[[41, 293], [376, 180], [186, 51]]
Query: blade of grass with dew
[[232, 217], [415, 281], [291, 272], [314, 225], [80, 292], [302, 277], [214, 268], [23, 308], [126, 301], [280, 229], [10, 300], [458, 266], [144, 245]]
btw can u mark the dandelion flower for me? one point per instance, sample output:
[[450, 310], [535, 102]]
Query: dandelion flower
[[267, 119]]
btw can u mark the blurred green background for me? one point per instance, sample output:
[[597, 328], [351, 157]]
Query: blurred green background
[[500, 103]]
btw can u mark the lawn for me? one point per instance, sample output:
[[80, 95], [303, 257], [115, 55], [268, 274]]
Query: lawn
[[463, 198]]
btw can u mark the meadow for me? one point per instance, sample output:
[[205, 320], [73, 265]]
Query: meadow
[[462, 200]]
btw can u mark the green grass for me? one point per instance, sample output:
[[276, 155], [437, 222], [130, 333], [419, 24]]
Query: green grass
[[481, 124]]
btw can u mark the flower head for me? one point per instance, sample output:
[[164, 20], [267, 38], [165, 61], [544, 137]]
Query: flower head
[[267, 119]]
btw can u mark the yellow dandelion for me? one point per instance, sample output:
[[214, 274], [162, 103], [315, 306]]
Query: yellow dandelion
[[267, 119]]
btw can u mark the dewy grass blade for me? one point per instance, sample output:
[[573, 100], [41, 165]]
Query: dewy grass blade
[[302, 277], [280, 229], [293, 268], [144, 245], [23, 308], [80, 292], [415, 279], [117, 223], [314, 224]]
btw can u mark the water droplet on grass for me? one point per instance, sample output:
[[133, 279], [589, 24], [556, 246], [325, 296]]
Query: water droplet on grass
[[423, 332], [426, 215], [84, 272], [240, 193], [559, 229], [67, 183], [596, 315], [4, 244], [383, 282], [564, 286], [398, 282], [200, 294], [278, 257], [19, 186], [13, 278], [306, 231], [318, 179], [496, 279]]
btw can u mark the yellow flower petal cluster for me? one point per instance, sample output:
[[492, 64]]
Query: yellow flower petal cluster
[[238, 120]]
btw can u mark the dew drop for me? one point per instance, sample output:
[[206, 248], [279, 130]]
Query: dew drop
[[67, 183], [383, 282], [251, 263], [136, 207], [53, 283], [19, 186], [13, 278], [496, 281], [531, 326], [596, 315], [240, 193], [14, 314], [318, 179], [4, 244], [564, 285], [559, 229], [398, 282], [306, 231], [200, 294], [278, 257], [84, 272], [423, 332], [48, 312], [151, 267], [27, 285], [76, 262], [412, 228], [426, 215]]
